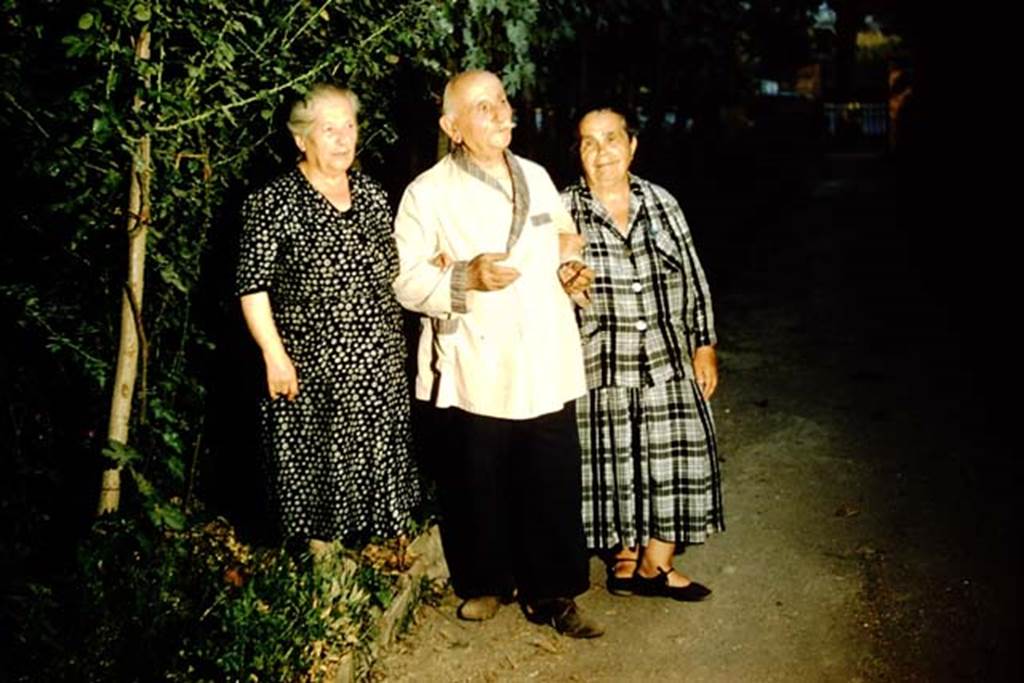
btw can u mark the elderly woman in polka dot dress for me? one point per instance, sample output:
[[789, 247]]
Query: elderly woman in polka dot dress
[[314, 276]]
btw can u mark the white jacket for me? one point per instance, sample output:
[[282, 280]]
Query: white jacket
[[513, 353]]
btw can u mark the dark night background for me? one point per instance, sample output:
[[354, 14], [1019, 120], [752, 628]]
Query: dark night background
[[926, 255]]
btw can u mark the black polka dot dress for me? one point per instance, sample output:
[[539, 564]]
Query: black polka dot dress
[[339, 455]]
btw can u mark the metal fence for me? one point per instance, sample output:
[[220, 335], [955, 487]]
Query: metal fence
[[867, 121]]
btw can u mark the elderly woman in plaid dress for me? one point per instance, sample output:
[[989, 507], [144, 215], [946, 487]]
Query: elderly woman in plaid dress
[[651, 481]]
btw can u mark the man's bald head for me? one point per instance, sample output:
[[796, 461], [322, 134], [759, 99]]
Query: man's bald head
[[477, 116], [457, 84]]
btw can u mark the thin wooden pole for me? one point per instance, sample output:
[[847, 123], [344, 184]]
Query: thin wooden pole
[[132, 337]]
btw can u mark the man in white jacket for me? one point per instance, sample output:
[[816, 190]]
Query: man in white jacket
[[485, 247]]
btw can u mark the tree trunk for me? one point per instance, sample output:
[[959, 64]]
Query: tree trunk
[[132, 337]]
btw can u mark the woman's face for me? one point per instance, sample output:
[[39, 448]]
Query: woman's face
[[606, 149], [330, 144]]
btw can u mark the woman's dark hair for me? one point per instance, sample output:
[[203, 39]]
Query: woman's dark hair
[[609, 106]]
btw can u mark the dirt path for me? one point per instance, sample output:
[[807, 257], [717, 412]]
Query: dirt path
[[865, 539]]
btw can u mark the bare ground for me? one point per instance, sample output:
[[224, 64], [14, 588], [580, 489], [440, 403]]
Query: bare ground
[[870, 534]]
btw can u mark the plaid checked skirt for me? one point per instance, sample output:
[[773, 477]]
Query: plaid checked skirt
[[650, 467]]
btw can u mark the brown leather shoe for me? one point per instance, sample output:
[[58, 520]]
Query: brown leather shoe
[[565, 616], [480, 608]]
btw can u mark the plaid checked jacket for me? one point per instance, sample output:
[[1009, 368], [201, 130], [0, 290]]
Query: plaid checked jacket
[[650, 303]]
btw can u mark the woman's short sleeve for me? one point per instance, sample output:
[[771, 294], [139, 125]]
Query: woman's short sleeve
[[257, 254]]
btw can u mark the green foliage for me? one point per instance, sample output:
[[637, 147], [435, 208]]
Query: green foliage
[[502, 27], [210, 98], [197, 605], [75, 100], [510, 37], [156, 595]]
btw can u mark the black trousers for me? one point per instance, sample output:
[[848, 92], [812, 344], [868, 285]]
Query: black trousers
[[509, 492]]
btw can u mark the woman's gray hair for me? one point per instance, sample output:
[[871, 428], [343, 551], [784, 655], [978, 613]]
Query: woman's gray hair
[[303, 114]]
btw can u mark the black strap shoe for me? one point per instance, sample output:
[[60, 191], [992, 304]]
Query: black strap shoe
[[620, 585], [658, 587]]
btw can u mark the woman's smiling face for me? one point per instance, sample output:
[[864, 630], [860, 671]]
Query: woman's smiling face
[[606, 148], [330, 144]]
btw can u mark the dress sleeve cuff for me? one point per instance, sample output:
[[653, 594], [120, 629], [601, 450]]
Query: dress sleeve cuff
[[706, 338]]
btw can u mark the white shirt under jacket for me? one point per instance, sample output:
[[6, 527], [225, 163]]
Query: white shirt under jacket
[[513, 353]]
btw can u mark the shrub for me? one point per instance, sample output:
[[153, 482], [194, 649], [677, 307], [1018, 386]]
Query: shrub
[[198, 605]]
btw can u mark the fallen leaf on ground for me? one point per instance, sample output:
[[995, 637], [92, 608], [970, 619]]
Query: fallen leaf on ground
[[846, 510], [546, 645]]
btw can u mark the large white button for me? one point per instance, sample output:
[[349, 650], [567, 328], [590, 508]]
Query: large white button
[[637, 286], [641, 325]]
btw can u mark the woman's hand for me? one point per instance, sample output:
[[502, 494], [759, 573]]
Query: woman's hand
[[575, 276], [705, 370], [282, 379], [442, 260]]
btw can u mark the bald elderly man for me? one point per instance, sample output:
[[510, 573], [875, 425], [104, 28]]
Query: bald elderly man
[[487, 257]]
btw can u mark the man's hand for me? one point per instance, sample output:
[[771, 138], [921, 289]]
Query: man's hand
[[575, 276], [705, 370], [570, 246], [484, 274], [282, 379]]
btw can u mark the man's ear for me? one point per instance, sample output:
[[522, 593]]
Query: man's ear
[[447, 123]]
